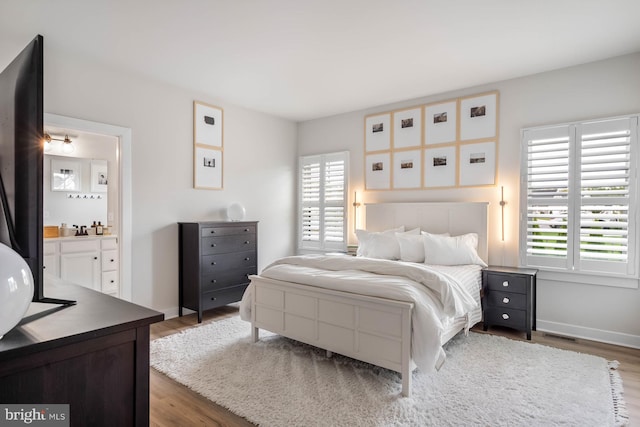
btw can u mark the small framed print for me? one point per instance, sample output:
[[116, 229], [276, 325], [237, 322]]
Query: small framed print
[[207, 124], [407, 169], [407, 128], [478, 117], [440, 123], [440, 167], [377, 132], [99, 177], [207, 168], [378, 171], [478, 164]]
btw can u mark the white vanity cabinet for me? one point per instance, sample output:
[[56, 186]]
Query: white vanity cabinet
[[88, 261]]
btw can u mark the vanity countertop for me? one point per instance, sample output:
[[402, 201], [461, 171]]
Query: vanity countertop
[[88, 237]]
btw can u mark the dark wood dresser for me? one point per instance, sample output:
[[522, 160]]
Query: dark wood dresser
[[216, 259], [93, 356], [509, 298]]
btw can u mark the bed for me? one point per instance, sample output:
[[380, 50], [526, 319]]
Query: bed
[[384, 308]]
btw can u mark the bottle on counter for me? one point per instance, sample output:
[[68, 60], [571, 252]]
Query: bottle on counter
[[99, 229]]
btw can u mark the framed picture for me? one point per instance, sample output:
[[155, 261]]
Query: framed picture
[[407, 169], [478, 164], [440, 167], [377, 132], [99, 176], [66, 175], [440, 123], [207, 168], [407, 128], [207, 124], [378, 171], [478, 117]]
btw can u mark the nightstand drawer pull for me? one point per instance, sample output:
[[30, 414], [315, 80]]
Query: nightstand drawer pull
[[505, 300], [505, 316], [505, 283]]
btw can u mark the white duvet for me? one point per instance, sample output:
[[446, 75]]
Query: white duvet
[[437, 296]]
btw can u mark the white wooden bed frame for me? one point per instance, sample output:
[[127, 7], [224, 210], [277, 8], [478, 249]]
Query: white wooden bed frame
[[370, 329]]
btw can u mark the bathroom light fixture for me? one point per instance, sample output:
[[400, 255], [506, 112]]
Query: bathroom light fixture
[[67, 145], [502, 203], [356, 205]]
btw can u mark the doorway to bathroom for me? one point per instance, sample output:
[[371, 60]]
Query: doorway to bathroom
[[87, 178]]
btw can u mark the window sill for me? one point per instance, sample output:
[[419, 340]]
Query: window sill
[[587, 279]]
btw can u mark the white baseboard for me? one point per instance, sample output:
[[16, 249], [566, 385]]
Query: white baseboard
[[609, 337]]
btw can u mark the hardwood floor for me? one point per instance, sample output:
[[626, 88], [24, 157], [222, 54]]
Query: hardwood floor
[[173, 404]]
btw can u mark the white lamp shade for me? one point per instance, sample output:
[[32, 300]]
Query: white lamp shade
[[16, 288]]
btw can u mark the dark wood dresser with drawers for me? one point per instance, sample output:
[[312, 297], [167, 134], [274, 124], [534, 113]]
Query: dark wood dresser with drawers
[[509, 298], [216, 259]]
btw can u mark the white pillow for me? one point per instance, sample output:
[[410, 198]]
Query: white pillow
[[382, 244], [412, 246], [457, 250]]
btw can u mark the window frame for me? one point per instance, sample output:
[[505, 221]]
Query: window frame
[[575, 268], [323, 244]]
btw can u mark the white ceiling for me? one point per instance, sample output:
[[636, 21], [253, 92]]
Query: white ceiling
[[304, 59]]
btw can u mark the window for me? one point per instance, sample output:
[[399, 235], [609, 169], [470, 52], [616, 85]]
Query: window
[[579, 186], [323, 202]]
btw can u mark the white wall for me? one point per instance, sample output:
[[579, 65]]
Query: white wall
[[600, 89], [259, 165]]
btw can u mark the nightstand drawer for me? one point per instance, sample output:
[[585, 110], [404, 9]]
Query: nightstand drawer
[[506, 300], [507, 282], [516, 319]]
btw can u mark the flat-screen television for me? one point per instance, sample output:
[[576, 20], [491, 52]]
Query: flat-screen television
[[21, 161]]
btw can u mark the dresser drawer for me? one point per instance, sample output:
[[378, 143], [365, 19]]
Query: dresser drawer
[[511, 318], [507, 282], [219, 298], [226, 231], [226, 244], [506, 300], [226, 279], [110, 282], [212, 264]]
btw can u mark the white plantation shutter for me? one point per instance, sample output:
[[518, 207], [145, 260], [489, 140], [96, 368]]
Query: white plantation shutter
[[580, 192], [606, 233], [546, 223], [323, 198]]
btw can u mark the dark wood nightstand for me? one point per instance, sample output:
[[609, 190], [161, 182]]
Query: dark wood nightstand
[[509, 298]]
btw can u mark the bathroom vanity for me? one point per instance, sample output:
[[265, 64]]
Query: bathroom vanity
[[90, 261]]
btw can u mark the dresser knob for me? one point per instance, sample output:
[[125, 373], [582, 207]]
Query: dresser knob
[[505, 300], [505, 284], [246, 243], [214, 281], [213, 263], [95, 257], [112, 260], [246, 259], [112, 281], [213, 245], [505, 316], [246, 229], [213, 232]]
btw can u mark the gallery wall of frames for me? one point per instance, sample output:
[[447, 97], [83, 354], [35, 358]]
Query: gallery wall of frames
[[208, 147], [447, 144]]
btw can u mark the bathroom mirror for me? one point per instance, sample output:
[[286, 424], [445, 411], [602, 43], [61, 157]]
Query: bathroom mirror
[[75, 190]]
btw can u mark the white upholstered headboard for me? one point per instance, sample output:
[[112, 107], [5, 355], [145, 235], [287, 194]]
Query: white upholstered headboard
[[434, 217]]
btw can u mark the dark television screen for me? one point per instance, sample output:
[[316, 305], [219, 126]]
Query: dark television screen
[[21, 159]]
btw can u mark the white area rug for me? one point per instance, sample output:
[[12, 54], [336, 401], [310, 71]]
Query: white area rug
[[487, 380]]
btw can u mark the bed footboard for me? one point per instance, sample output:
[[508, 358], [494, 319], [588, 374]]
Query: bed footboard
[[370, 329]]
